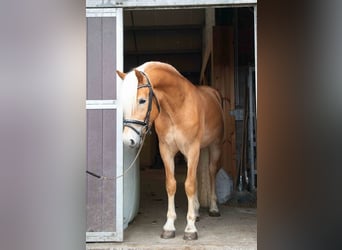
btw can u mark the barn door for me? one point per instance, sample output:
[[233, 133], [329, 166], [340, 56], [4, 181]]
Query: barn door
[[104, 126]]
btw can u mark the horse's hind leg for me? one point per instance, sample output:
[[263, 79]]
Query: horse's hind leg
[[215, 153], [197, 206], [169, 230]]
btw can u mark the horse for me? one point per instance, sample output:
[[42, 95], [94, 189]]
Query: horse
[[186, 118]]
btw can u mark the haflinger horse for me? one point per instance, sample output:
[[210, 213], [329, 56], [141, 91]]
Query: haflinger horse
[[186, 118]]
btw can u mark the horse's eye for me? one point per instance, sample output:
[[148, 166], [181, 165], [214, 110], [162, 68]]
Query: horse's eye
[[142, 101]]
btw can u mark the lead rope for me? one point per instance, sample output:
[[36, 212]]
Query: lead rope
[[101, 177]]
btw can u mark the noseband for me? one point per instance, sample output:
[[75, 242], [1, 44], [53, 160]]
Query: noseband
[[146, 121]]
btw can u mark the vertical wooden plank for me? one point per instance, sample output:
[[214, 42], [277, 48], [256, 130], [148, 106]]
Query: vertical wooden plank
[[223, 80], [94, 164], [108, 58], [94, 58], [109, 169]]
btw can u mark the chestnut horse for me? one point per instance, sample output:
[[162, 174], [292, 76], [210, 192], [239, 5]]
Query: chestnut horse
[[187, 118]]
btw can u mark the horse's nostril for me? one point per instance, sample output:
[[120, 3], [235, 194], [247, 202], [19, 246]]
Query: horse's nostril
[[132, 142]]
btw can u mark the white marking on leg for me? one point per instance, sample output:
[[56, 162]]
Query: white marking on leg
[[214, 157], [213, 199], [191, 216], [171, 215], [213, 206], [197, 205]]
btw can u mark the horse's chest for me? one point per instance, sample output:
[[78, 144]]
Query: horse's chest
[[173, 135], [166, 133]]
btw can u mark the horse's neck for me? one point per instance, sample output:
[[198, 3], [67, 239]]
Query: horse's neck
[[173, 93]]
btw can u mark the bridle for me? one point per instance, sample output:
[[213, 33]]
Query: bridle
[[145, 123]]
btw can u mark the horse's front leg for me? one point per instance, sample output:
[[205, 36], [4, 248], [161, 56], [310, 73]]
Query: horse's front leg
[[190, 232], [169, 230]]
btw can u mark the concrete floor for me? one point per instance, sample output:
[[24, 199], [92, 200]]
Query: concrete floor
[[235, 229]]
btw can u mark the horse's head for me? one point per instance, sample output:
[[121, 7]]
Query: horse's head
[[140, 106]]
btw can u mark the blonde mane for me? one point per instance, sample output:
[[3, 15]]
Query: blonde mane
[[129, 89], [129, 93]]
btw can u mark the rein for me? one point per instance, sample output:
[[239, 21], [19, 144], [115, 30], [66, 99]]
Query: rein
[[144, 124]]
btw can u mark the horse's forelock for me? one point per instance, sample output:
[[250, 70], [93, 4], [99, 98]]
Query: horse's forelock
[[129, 93]]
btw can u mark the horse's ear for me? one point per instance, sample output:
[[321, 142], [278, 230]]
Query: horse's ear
[[139, 76], [121, 74]]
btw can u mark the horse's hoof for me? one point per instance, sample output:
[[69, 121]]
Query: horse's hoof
[[214, 213], [190, 236], [168, 234]]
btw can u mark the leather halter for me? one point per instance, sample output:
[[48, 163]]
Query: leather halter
[[145, 123]]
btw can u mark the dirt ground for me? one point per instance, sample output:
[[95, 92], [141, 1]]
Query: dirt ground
[[236, 228]]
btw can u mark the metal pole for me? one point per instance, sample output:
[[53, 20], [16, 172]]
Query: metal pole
[[236, 58], [255, 59], [251, 128]]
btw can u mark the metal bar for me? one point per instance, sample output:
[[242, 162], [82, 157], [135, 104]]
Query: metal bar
[[236, 58], [255, 61], [101, 104], [101, 12], [251, 127], [119, 118]]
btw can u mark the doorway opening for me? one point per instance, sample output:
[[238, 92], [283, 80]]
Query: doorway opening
[[209, 46]]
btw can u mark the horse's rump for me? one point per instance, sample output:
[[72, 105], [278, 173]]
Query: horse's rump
[[211, 102], [211, 91]]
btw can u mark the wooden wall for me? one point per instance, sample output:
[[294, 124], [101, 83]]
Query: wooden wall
[[223, 80], [218, 72]]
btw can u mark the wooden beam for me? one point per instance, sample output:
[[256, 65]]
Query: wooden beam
[[223, 80], [164, 52], [189, 28]]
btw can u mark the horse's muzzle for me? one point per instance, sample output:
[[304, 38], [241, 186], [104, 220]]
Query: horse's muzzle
[[132, 143], [131, 139]]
